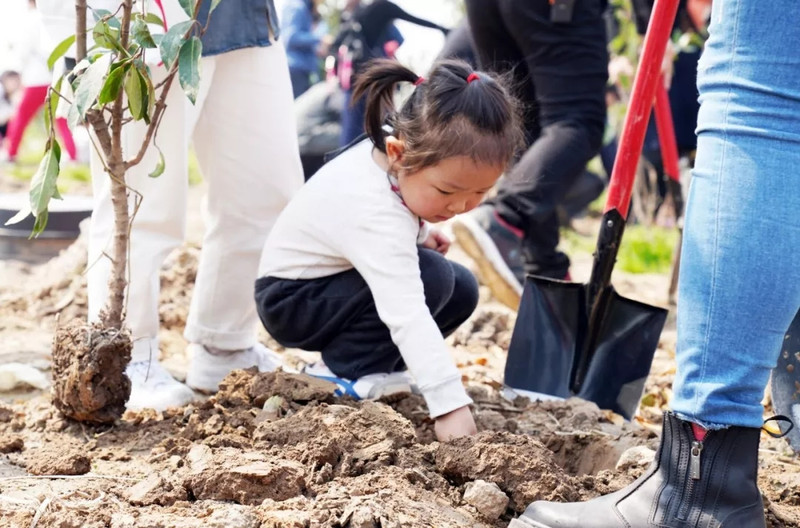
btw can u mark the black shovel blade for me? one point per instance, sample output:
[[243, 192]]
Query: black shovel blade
[[785, 386], [554, 330]]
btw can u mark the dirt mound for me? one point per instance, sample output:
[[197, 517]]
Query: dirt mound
[[276, 450], [279, 451], [521, 466]]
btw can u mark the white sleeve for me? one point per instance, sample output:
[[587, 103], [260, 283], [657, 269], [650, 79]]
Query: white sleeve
[[382, 247]]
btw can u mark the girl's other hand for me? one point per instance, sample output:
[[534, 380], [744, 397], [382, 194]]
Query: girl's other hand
[[437, 241], [455, 424]]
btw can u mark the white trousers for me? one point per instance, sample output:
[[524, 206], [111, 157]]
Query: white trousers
[[245, 138]]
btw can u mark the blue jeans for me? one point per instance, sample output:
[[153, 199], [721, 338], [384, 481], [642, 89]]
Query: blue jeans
[[353, 116], [740, 277]]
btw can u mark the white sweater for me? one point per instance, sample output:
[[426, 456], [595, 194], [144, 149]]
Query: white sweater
[[348, 217]]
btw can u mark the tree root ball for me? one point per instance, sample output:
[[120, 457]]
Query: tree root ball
[[89, 381]]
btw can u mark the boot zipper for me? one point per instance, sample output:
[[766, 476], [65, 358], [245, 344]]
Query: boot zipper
[[694, 460], [694, 475]]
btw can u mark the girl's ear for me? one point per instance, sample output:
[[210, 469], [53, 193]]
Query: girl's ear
[[395, 148]]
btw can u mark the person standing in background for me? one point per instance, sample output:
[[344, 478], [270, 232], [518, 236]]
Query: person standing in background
[[32, 52], [303, 42], [560, 63], [244, 135], [365, 36]]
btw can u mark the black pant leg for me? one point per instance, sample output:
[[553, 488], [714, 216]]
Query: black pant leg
[[366, 347], [568, 63], [461, 304], [337, 315]]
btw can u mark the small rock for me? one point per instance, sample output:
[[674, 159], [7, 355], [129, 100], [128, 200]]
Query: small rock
[[639, 456], [325, 474], [57, 461], [6, 414], [487, 497], [11, 444], [231, 517], [272, 410], [358, 516], [362, 518], [155, 490], [246, 478]]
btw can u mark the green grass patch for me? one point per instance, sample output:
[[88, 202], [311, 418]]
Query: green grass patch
[[644, 249], [647, 249]]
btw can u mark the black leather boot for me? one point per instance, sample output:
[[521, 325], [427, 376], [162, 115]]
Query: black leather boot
[[695, 481]]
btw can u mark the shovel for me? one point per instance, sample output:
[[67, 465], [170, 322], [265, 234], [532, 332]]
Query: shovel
[[669, 157], [586, 340], [785, 386]]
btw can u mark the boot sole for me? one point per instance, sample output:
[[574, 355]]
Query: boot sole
[[522, 522], [493, 270]]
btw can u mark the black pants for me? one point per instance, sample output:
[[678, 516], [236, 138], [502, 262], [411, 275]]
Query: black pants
[[336, 315], [560, 70]]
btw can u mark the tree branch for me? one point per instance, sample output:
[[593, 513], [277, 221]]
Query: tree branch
[[80, 30]]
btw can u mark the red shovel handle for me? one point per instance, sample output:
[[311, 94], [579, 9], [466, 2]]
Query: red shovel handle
[[640, 106], [666, 134]]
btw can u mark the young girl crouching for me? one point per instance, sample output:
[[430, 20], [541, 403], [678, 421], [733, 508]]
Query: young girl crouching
[[353, 269]]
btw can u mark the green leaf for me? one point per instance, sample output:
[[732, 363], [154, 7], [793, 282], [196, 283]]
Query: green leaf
[[151, 96], [113, 84], [141, 33], [188, 7], [172, 41], [23, 213], [43, 185], [99, 35], [108, 16], [214, 4], [152, 18], [39, 224], [60, 50], [106, 37], [90, 83], [51, 103], [133, 89], [159, 170], [189, 67]]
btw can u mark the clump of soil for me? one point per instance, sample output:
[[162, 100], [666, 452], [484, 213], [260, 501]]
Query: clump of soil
[[11, 444], [89, 381], [57, 460]]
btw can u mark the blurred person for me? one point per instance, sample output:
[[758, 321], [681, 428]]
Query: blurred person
[[9, 87], [33, 52], [560, 64], [367, 34], [303, 41]]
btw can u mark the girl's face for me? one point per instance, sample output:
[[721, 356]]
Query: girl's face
[[439, 192]]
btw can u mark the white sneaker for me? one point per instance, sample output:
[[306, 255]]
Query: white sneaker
[[511, 394], [369, 387], [152, 387], [206, 370]]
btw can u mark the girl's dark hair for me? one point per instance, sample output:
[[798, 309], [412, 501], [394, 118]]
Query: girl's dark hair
[[447, 114]]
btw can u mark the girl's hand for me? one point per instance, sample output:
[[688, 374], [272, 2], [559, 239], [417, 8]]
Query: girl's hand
[[455, 424], [437, 241]]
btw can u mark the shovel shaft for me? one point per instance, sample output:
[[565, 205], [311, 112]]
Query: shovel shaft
[[666, 134], [639, 106], [669, 147]]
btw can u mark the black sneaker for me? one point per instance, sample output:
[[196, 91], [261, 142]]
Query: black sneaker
[[496, 247]]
